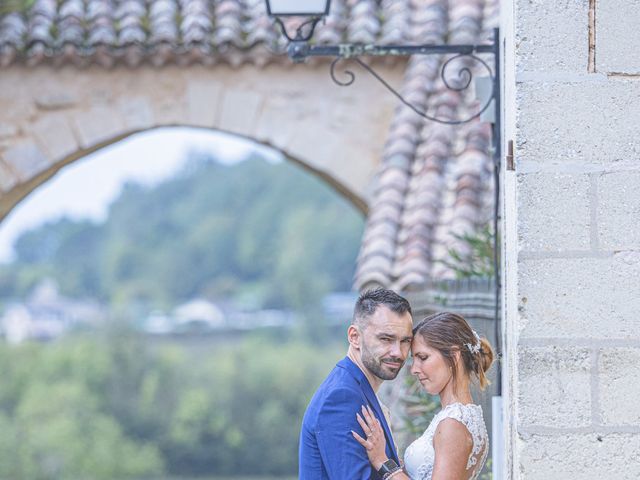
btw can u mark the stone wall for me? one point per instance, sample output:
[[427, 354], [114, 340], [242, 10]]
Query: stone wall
[[572, 239], [51, 117]]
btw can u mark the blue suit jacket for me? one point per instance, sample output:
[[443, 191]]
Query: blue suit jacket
[[328, 451]]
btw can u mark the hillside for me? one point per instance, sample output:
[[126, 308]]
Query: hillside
[[256, 233]]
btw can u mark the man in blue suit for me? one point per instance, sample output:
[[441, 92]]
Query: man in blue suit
[[379, 342]]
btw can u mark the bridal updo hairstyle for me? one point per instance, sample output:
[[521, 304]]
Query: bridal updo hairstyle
[[448, 332]]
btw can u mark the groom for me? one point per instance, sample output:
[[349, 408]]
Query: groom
[[379, 342]]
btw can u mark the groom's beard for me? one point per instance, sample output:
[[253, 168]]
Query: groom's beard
[[378, 367]]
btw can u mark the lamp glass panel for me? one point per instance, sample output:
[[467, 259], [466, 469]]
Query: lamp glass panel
[[298, 7]]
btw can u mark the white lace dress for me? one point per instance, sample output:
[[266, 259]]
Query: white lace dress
[[420, 455]]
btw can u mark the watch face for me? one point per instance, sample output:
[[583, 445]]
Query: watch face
[[387, 467]]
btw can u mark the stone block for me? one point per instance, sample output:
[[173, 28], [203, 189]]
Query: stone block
[[304, 145], [7, 179], [56, 101], [353, 168], [136, 112], [203, 103], [580, 297], [97, 126], [554, 212], [552, 36], [588, 122], [588, 456], [240, 109], [338, 161], [554, 387], [169, 111], [276, 121], [619, 381], [619, 211], [55, 135], [26, 159], [618, 36], [8, 130]]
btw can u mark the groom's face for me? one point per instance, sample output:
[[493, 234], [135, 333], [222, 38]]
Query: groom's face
[[385, 342]]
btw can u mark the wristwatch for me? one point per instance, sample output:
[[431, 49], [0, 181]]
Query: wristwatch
[[387, 468]]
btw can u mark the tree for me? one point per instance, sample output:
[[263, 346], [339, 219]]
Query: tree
[[53, 421], [269, 234]]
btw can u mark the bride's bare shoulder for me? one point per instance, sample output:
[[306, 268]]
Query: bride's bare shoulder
[[451, 430], [453, 444]]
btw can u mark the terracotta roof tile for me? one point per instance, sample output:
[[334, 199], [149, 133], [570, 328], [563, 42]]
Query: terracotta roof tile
[[364, 24], [380, 250], [389, 196], [400, 147], [374, 279], [332, 29], [395, 178], [13, 30], [397, 22], [386, 213], [383, 229]]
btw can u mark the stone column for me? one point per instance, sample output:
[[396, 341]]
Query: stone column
[[572, 239]]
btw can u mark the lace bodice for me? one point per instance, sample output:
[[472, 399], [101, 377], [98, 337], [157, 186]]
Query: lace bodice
[[420, 455]]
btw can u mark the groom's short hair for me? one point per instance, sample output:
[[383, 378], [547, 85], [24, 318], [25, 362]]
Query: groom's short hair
[[369, 301]]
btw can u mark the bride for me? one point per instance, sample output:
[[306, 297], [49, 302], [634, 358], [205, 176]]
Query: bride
[[447, 355]]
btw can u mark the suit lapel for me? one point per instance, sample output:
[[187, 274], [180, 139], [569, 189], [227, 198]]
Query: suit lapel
[[371, 397]]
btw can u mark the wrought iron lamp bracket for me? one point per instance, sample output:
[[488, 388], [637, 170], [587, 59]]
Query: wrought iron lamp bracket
[[299, 50], [301, 36]]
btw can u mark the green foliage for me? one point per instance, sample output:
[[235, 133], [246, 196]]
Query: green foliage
[[111, 406], [487, 470], [56, 423], [67, 436], [419, 407], [269, 235], [249, 404], [476, 258]]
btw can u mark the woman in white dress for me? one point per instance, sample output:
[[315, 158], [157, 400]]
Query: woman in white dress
[[447, 356]]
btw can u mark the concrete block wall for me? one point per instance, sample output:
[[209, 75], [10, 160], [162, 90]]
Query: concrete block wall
[[572, 239]]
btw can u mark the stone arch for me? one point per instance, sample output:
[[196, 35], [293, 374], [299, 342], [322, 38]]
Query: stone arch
[[56, 117], [22, 190]]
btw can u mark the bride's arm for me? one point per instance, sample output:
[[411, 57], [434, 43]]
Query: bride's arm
[[375, 443], [453, 444]]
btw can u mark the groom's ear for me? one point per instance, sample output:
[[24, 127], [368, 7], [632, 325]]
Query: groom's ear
[[353, 335]]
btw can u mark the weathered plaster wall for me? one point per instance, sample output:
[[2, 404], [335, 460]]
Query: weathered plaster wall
[[572, 233], [51, 117]]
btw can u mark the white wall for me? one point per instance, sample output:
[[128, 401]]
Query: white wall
[[572, 233]]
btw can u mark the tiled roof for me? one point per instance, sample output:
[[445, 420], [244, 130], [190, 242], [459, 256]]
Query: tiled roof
[[434, 182], [108, 32]]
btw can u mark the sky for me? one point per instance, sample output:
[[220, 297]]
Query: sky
[[86, 188]]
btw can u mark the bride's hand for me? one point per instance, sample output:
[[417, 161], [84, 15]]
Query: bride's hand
[[375, 443]]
